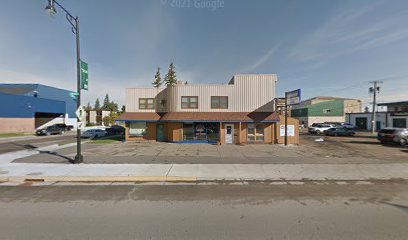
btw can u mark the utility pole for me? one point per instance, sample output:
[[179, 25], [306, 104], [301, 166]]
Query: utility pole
[[286, 118], [375, 89]]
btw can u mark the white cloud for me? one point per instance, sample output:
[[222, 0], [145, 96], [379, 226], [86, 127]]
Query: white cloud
[[350, 31], [264, 58]]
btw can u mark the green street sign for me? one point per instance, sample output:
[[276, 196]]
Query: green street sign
[[84, 75], [73, 95]]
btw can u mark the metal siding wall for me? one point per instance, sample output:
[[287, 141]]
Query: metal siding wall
[[59, 95], [47, 93], [248, 93], [133, 95], [23, 106]]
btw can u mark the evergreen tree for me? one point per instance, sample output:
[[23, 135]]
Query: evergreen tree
[[157, 79], [88, 107], [97, 105], [106, 103], [123, 109], [113, 107], [170, 78]]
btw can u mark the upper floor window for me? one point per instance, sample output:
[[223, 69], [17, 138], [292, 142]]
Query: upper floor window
[[146, 103], [220, 102], [189, 102]]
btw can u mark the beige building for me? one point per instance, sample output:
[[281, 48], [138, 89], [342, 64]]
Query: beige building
[[241, 111], [94, 117]]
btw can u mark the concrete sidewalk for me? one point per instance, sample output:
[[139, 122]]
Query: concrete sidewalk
[[20, 172]]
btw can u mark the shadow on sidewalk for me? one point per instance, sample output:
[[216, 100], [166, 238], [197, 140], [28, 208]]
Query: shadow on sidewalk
[[402, 207], [70, 160]]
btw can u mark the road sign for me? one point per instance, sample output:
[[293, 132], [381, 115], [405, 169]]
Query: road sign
[[80, 113], [73, 95], [84, 75], [81, 125], [293, 97]]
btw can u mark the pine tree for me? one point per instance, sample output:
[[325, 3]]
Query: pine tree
[[170, 78], [157, 79], [123, 109], [88, 107], [106, 103], [113, 107], [97, 105]]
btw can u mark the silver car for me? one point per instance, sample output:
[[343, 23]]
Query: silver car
[[94, 133]]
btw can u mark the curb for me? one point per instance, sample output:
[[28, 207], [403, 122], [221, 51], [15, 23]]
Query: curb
[[93, 179]]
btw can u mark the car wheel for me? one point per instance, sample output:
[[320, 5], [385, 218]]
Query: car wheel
[[48, 134], [318, 132], [403, 142]]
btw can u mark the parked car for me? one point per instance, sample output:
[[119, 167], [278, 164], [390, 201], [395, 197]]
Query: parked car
[[94, 133], [341, 124], [315, 124], [320, 128], [115, 130], [64, 126], [393, 135], [51, 130], [348, 125], [339, 131]]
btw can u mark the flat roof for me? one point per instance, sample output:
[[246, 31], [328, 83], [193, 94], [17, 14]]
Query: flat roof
[[392, 103]]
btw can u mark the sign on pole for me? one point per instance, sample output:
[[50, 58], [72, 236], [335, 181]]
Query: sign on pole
[[84, 75], [293, 97], [81, 125], [73, 95], [80, 113]]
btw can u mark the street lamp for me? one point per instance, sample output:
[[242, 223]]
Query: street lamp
[[74, 21]]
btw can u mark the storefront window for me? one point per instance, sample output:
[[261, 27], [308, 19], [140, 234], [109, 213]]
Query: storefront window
[[255, 132], [137, 129], [201, 131]]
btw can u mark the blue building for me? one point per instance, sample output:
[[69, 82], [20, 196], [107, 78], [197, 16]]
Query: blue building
[[25, 107]]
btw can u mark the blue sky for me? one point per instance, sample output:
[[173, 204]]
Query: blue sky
[[330, 48]]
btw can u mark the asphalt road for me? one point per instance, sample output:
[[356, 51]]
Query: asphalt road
[[32, 142], [377, 210]]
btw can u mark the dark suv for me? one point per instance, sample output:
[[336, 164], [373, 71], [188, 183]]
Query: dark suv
[[393, 135], [51, 130]]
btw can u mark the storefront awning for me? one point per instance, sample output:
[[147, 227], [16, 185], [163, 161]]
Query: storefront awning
[[220, 117], [201, 117]]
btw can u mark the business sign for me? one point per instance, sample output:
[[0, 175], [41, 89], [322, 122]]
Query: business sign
[[293, 97], [291, 130], [84, 75]]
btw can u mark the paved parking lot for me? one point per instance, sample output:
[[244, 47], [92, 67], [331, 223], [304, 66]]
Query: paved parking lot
[[334, 150]]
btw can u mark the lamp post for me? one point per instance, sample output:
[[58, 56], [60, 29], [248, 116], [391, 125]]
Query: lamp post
[[74, 22]]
